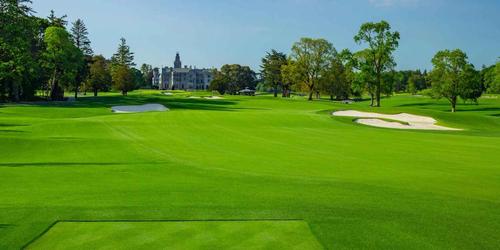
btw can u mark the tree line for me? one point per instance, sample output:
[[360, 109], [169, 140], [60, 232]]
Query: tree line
[[42, 58], [315, 66]]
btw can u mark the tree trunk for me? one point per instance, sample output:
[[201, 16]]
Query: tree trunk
[[76, 93], [378, 94], [275, 91], [331, 97], [453, 104], [318, 96], [372, 98], [95, 92], [311, 95], [378, 90]]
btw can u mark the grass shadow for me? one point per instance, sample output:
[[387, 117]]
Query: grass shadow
[[58, 164], [11, 131], [169, 102]]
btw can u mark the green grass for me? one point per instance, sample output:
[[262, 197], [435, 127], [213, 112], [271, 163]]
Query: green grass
[[179, 235], [243, 158]]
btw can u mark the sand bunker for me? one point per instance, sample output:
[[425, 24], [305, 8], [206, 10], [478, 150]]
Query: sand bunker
[[214, 97], [194, 97], [139, 108], [406, 121], [168, 93]]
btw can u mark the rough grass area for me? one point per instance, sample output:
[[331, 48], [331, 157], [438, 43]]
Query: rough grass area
[[178, 235]]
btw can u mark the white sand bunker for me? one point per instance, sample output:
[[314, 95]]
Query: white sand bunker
[[168, 93], [194, 97], [400, 121], [214, 97], [139, 108]]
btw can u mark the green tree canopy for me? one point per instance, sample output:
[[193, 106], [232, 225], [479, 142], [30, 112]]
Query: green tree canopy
[[453, 77], [80, 36], [337, 78], [18, 62], [220, 82], [491, 78], [237, 77], [147, 75], [382, 42], [123, 79], [99, 74], [62, 59], [308, 61], [57, 21], [271, 67], [123, 55]]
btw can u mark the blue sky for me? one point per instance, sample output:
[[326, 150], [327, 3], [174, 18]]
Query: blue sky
[[210, 33]]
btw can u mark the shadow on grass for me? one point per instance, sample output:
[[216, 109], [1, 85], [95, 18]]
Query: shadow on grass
[[481, 109], [5, 226], [13, 125], [420, 104], [58, 164], [171, 103], [11, 131]]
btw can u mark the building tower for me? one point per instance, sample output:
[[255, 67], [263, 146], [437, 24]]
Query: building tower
[[177, 62]]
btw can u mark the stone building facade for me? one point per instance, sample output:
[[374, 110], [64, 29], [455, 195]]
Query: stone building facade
[[182, 78]]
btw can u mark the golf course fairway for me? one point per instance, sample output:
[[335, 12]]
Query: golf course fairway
[[247, 173]]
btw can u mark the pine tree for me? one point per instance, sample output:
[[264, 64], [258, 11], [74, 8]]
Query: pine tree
[[123, 56], [57, 21], [79, 34]]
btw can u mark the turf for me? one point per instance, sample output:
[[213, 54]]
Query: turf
[[255, 158], [179, 235]]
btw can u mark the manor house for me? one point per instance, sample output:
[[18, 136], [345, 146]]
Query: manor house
[[182, 78]]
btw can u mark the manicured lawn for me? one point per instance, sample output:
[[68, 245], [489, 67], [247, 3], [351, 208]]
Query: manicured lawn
[[179, 235], [243, 158]]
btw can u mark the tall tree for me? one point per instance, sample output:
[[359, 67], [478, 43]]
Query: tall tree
[[491, 78], [365, 79], [453, 76], [271, 67], [147, 75], [57, 21], [138, 78], [220, 82], [99, 74], [123, 79], [237, 77], [338, 78], [16, 41], [123, 55], [80, 36], [382, 42], [62, 59], [310, 57]]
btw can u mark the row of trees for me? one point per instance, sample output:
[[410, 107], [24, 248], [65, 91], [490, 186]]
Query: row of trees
[[41, 55], [316, 67]]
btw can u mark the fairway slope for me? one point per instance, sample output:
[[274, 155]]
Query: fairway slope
[[185, 175]]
